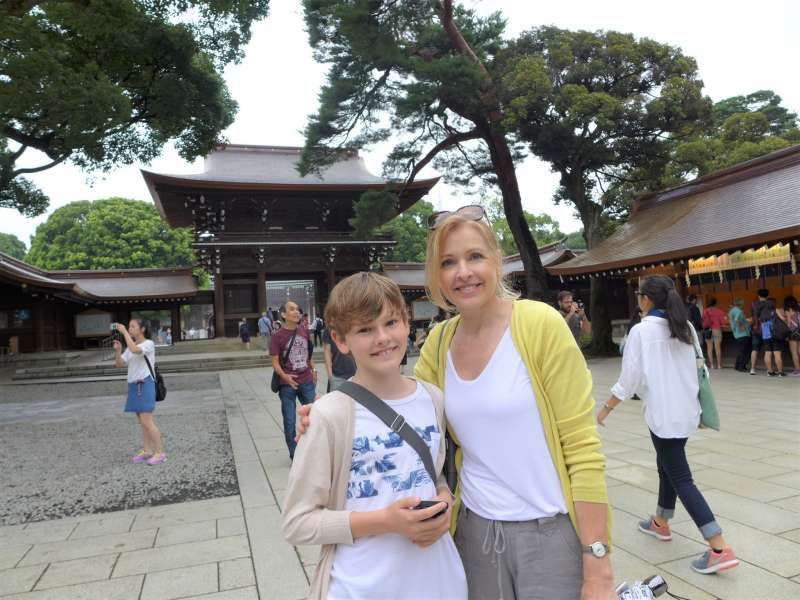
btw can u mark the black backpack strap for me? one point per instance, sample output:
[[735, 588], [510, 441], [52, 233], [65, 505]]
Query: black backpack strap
[[149, 366], [394, 421], [288, 349]]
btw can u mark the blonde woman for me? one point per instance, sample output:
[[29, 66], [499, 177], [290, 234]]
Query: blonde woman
[[531, 508], [532, 511]]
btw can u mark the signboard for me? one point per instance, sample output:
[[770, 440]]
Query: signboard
[[93, 323], [753, 257], [423, 310]]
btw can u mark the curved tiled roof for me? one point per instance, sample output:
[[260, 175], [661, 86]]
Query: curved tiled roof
[[747, 205]]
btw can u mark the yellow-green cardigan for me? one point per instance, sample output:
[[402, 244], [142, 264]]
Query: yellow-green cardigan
[[563, 387]]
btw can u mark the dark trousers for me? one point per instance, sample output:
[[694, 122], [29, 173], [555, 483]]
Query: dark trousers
[[317, 337], [305, 392], [743, 347], [675, 481]]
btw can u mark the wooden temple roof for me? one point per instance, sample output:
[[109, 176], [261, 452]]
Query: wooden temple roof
[[102, 286], [240, 169], [756, 202]]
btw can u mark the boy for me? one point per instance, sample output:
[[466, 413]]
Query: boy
[[297, 372], [354, 482]]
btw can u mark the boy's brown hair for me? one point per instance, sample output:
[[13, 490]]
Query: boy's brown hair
[[361, 298]]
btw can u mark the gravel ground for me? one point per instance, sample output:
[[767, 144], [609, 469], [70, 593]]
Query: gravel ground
[[67, 449]]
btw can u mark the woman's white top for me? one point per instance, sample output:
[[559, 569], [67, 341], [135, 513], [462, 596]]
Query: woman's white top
[[662, 371], [137, 367], [507, 473]]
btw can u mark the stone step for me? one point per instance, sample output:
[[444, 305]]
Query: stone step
[[186, 366]]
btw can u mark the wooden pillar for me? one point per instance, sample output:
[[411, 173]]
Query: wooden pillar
[[39, 316], [262, 292], [219, 306]]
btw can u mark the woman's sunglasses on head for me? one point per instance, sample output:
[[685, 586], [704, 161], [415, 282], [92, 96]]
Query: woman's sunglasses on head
[[473, 212]]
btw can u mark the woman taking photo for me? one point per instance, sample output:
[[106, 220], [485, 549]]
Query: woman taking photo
[[141, 386], [660, 365]]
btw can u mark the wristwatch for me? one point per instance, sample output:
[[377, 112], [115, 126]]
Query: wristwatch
[[599, 549]]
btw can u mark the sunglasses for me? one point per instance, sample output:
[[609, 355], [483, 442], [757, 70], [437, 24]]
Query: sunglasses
[[473, 212]]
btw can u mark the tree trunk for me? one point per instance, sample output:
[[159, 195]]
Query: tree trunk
[[591, 217], [535, 275], [487, 124]]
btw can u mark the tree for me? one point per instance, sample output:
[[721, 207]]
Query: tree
[[409, 230], [576, 240], [103, 83], [596, 106], [12, 245], [414, 71], [744, 127], [543, 227], [114, 233]]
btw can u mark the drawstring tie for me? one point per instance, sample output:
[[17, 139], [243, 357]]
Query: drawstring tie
[[498, 544]]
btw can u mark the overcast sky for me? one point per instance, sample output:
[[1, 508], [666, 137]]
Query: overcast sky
[[740, 47]]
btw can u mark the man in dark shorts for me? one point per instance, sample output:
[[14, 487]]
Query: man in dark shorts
[[340, 367], [297, 373]]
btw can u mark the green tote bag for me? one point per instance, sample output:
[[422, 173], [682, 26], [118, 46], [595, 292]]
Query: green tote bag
[[709, 415]]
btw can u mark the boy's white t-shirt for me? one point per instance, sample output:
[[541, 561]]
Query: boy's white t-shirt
[[137, 367], [384, 469], [507, 473]]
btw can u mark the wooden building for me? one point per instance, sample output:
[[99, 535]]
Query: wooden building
[[256, 220], [57, 310], [723, 235]]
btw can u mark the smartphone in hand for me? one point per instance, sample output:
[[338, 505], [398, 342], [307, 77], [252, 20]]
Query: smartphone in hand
[[429, 503]]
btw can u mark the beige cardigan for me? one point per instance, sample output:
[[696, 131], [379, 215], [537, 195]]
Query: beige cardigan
[[314, 509]]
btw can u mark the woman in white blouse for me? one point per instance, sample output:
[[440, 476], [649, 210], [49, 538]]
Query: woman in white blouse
[[660, 365]]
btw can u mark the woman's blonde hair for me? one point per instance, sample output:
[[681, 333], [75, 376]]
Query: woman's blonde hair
[[433, 259]]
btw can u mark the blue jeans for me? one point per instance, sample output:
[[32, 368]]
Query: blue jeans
[[675, 481], [305, 392]]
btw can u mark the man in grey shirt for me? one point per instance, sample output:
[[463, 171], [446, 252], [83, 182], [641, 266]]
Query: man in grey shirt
[[574, 315]]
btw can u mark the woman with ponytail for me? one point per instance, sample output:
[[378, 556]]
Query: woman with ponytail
[[660, 365]]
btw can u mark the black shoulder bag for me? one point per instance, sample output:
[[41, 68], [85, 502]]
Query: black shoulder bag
[[161, 387], [394, 421], [275, 384]]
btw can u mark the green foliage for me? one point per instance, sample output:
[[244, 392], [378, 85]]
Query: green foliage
[[575, 240], [373, 209], [744, 127], [12, 245], [115, 233], [543, 227], [598, 106], [104, 83], [410, 231], [417, 72], [765, 102]]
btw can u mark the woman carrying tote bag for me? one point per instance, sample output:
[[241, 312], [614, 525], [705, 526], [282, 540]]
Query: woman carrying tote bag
[[660, 366]]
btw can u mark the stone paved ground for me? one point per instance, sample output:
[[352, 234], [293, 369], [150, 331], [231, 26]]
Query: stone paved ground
[[68, 449], [232, 548]]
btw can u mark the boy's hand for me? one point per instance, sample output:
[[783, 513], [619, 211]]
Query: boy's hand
[[401, 519], [441, 523]]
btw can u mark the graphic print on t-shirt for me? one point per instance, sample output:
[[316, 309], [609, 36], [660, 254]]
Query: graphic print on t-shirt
[[374, 461], [298, 355]]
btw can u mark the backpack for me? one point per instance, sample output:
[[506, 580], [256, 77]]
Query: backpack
[[780, 330], [161, 387]]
